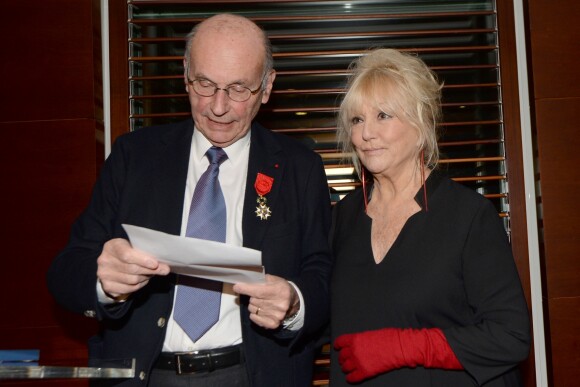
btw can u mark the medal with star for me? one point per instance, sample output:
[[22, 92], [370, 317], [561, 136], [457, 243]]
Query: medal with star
[[263, 185]]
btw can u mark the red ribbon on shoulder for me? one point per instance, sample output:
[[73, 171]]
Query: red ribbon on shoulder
[[263, 184]]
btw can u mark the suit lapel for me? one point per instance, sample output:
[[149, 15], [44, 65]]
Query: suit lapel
[[267, 158], [169, 179]]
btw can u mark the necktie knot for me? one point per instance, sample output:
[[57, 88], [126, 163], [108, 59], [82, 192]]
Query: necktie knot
[[216, 155]]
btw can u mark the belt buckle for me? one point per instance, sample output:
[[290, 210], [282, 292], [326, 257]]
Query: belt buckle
[[187, 369]]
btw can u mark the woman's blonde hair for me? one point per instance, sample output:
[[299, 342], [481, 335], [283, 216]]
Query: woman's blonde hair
[[400, 84]]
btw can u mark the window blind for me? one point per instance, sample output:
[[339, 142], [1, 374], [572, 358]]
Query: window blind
[[313, 42]]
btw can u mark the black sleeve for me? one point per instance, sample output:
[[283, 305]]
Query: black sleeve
[[500, 338]]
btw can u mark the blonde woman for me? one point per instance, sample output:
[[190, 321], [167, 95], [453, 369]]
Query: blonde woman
[[425, 291]]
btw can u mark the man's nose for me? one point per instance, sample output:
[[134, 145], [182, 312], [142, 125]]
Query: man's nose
[[220, 103]]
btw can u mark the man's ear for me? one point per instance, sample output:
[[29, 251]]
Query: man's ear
[[185, 75], [269, 85]]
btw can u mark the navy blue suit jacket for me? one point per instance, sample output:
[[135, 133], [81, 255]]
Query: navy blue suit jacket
[[143, 183]]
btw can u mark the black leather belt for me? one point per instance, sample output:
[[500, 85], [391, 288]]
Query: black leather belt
[[199, 361]]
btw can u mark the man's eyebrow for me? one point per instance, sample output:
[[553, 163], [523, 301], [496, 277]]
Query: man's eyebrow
[[242, 82]]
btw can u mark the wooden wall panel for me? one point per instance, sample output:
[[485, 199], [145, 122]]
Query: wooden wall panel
[[558, 147], [555, 47], [49, 124], [48, 172], [565, 345], [46, 71], [50, 167], [554, 33]]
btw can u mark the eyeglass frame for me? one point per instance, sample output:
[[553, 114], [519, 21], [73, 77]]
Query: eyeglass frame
[[226, 89]]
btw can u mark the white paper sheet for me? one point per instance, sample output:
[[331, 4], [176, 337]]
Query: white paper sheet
[[199, 257]]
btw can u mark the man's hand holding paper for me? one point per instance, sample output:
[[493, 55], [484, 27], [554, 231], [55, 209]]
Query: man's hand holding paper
[[123, 270]]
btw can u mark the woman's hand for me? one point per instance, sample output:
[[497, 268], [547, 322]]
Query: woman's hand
[[367, 354]]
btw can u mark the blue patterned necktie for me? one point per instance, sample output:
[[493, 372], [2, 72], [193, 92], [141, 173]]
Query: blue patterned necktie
[[197, 304]]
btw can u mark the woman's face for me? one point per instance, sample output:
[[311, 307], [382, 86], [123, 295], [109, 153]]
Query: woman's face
[[385, 145]]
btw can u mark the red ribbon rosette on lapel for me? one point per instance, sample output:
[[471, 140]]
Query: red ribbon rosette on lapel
[[263, 185]]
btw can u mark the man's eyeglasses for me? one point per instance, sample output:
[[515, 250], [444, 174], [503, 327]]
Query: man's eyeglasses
[[207, 88]]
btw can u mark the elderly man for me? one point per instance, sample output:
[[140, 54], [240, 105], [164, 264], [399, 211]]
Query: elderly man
[[218, 176]]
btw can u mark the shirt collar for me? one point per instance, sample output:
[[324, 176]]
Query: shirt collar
[[200, 145]]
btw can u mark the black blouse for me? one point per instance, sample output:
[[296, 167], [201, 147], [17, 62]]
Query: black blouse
[[451, 267]]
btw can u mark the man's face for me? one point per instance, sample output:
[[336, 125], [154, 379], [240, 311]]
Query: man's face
[[225, 61]]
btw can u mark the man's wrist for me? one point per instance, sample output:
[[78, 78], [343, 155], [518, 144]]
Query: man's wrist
[[106, 298], [294, 319], [295, 308]]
